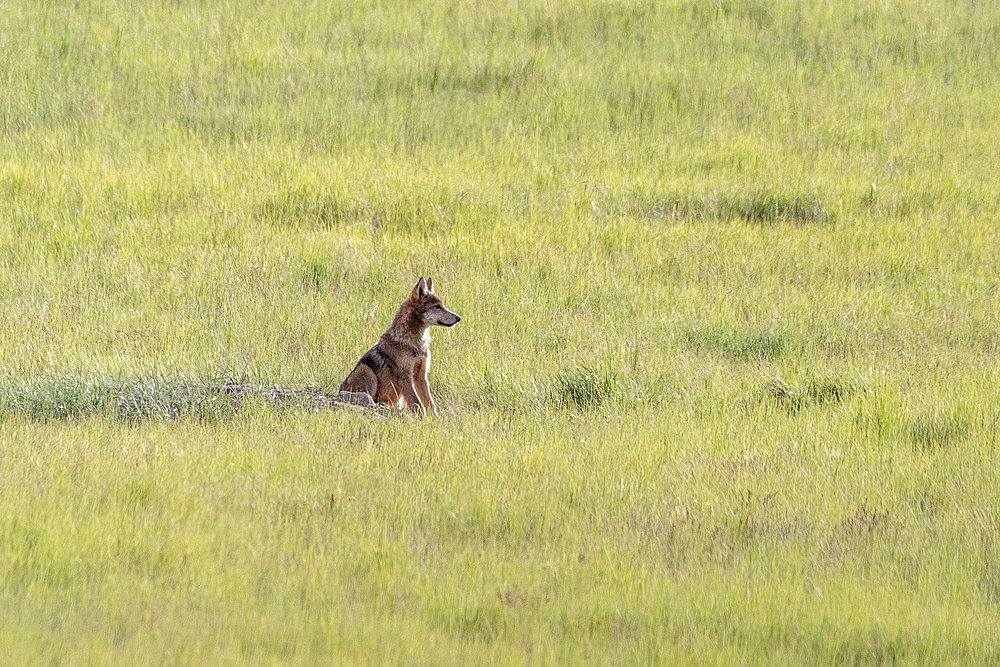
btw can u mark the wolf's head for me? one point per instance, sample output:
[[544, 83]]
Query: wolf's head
[[429, 307]]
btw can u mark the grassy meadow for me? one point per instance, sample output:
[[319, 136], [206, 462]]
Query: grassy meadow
[[725, 388]]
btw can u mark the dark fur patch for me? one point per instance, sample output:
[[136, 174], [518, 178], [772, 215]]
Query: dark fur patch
[[375, 360], [372, 360]]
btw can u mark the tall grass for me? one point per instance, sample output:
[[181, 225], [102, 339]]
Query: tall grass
[[724, 387]]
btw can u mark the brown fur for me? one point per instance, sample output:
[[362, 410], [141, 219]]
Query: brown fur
[[396, 368]]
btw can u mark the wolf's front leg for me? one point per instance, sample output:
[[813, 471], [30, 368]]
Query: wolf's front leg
[[413, 400], [424, 392], [429, 404], [424, 389]]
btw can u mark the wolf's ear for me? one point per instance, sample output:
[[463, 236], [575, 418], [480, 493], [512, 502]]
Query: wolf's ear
[[419, 289], [430, 285]]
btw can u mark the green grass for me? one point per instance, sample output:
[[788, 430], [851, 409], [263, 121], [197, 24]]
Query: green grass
[[725, 388]]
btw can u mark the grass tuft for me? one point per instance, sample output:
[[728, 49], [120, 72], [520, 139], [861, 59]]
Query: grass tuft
[[742, 344], [935, 428], [586, 387], [308, 205], [811, 392], [930, 427], [143, 397], [764, 206], [865, 522]]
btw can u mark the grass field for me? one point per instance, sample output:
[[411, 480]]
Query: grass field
[[725, 388]]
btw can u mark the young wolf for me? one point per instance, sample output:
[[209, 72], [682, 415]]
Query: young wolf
[[397, 366]]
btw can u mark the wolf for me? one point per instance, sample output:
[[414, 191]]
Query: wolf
[[396, 368]]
